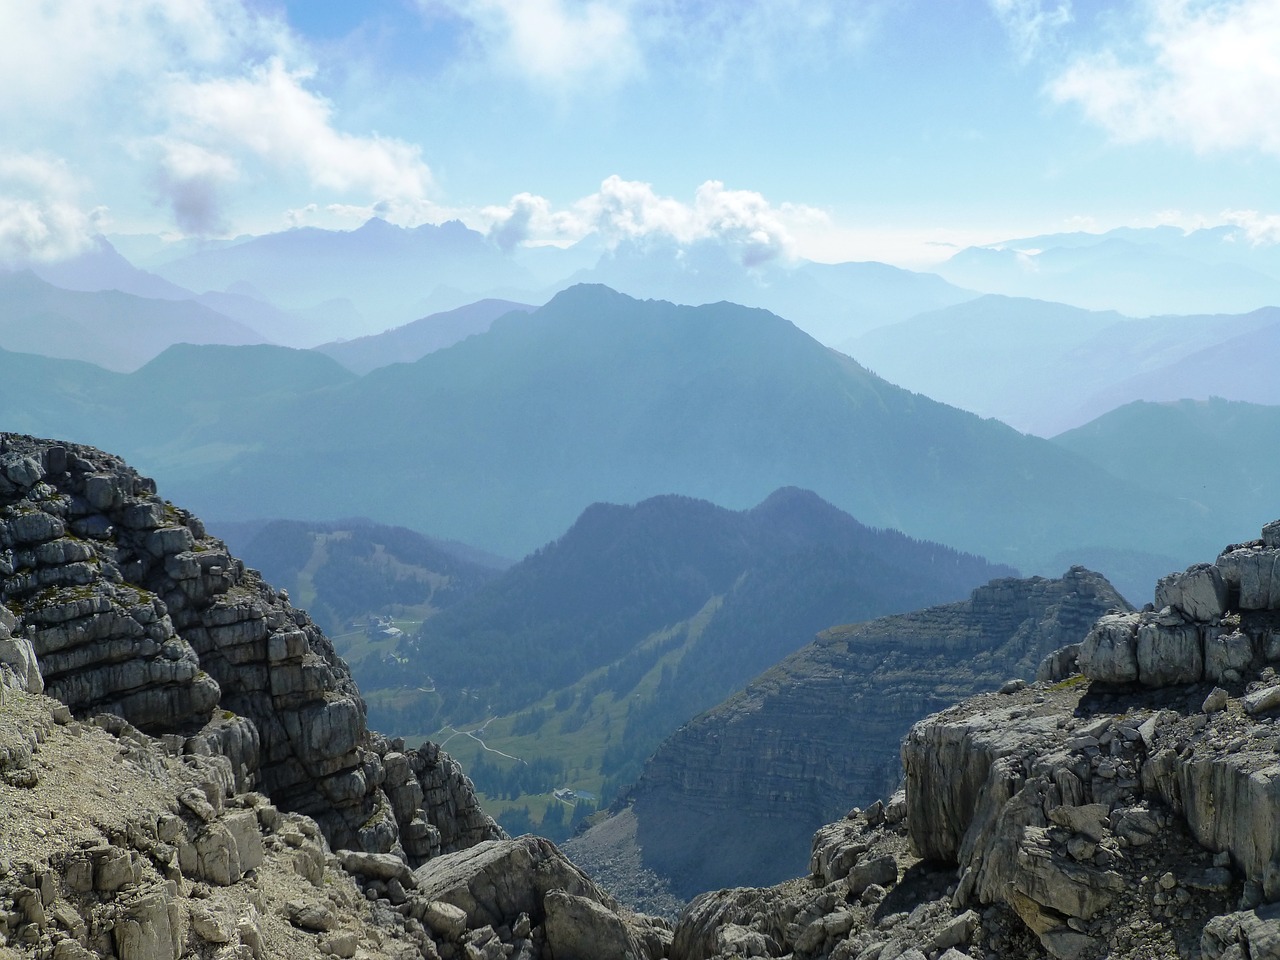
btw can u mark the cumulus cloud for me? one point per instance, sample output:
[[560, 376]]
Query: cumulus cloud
[[1206, 73], [631, 211], [212, 98], [1031, 22], [40, 219], [1259, 228], [67, 53], [270, 115]]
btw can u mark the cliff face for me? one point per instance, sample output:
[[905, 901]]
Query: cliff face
[[205, 783], [734, 795], [1131, 811], [131, 608]]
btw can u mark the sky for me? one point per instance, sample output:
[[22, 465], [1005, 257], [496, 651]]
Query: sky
[[830, 129]]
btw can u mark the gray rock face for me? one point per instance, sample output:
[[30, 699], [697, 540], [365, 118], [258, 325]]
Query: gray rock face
[[1199, 593], [1130, 812], [496, 881], [527, 883], [122, 604], [734, 796]]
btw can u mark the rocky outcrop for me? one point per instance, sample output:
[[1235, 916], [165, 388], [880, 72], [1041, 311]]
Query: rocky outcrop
[[733, 797], [1127, 812], [118, 844], [130, 608], [208, 753]]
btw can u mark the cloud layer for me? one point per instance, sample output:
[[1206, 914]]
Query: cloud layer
[[40, 215], [1205, 74]]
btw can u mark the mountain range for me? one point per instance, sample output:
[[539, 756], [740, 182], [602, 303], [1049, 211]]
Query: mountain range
[[384, 274], [415, 340], [501, 440], [115, 330], [595, 647], [1046, 367], [1137, 271]]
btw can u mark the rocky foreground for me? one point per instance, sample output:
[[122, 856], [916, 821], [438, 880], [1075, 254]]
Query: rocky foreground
[[185, 770], [1128, 811]]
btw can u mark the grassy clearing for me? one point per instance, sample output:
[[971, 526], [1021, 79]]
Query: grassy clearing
[[570, 728]]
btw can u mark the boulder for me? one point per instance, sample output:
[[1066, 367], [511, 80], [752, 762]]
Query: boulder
[[1109, 654], [497, 880], [1199, 593], [579, 928]]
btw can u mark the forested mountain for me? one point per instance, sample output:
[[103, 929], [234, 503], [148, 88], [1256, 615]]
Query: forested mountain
[[576, 662], [343, 572]]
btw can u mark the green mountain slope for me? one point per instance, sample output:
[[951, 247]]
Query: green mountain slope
[[502, 439], [586, 654]]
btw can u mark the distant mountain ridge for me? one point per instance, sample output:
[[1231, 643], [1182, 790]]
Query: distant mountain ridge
[[1047, 367], [1140, 272], [115, 330], [1218, 455], [415, 340], [387, 272], [502, 439]]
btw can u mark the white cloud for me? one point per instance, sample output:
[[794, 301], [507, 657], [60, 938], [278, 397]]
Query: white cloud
[[621, 211], [1260, 228], [210, 99], [564, 43], [63, 53], [1206, 73], [270, 114], [40, 219], [1030, 22]]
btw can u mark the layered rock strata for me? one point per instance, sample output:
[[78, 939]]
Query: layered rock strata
[[1129, 811], [734, 795], [131, 608]]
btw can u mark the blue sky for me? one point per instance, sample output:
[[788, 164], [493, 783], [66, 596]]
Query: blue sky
[[835, 129]]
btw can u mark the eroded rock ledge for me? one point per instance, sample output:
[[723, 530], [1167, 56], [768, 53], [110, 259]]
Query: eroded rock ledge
[[131, 608], [1129, 811]]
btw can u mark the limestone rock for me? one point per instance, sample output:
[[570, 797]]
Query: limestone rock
[[125, 606], [1200, 593], [579, 928], [1110, 651], [496, 881], [729, 798]]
